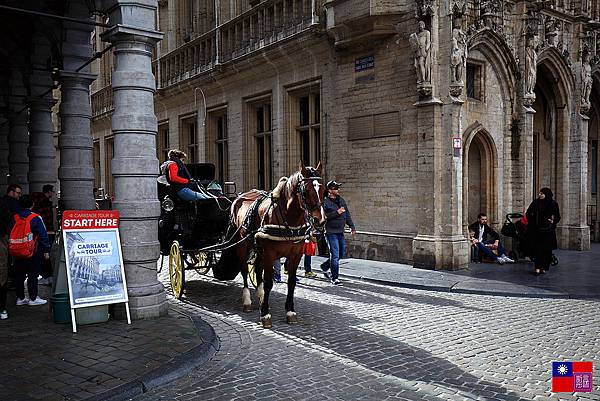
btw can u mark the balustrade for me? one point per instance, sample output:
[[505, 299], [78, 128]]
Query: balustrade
[[102, 102], [268, 22]]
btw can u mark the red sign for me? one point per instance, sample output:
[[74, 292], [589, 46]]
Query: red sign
[[89, 219], [456, 143]]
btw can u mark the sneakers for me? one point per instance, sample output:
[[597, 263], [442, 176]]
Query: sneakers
[[3, 315], [22, 301], [336, 282], [500, 260], [310, 274], [37, 301], [507, 259], [277, 278]]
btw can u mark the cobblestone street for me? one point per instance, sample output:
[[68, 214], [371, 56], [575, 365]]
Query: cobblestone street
[[370, 342]]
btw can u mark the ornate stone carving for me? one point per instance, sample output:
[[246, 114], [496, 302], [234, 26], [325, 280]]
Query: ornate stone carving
[[425, 8], [458, 60], [163, 3], [551, 29], [530, 69], [489, 11], [420, 42], [586, 82]]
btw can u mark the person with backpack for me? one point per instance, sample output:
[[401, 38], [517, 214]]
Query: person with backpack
[[27, 244], [9, 205]]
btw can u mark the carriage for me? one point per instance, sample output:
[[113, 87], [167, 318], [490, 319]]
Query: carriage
[[190, 232]]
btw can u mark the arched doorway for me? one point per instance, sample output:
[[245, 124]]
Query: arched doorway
[[593, 159], [479, 176], [551, 128]]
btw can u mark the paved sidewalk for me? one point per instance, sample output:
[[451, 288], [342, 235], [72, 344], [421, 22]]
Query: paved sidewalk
[[42, 360], [577, 275]]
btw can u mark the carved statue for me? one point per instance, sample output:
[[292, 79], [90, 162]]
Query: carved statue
[[458, 57], [530, 65], [586, 79], [420, 42]]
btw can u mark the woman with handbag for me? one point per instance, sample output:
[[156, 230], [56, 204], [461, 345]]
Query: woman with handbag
[[543, 216]]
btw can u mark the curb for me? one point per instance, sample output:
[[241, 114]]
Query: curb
[[548, 295], [174, 369]]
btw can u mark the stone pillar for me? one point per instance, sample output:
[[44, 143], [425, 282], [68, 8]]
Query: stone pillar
[[41, 144], [18, 137], [4, 130], [76, 171], [135, 166]]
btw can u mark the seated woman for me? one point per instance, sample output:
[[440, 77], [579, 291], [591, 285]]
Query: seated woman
[[179, 178]]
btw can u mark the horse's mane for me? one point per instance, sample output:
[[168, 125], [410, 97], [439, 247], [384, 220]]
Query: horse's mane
[[280, 186], [292, 184]]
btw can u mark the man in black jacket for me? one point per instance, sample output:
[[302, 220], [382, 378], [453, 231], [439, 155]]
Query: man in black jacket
[[338, 215], [486, 239]]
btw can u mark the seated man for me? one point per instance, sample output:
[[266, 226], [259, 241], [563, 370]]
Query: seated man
[[486, 239], [179, 178]]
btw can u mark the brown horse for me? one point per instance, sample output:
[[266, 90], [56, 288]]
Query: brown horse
[[275, 225]]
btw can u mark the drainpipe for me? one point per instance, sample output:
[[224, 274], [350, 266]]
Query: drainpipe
[[217, 33]]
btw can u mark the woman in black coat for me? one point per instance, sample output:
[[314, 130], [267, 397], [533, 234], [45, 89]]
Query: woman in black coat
[[542, 217]]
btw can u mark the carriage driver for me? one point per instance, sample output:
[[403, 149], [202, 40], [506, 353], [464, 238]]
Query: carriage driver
[[179, 177]]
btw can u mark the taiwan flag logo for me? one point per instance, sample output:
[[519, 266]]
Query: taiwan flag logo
[[572, 377]]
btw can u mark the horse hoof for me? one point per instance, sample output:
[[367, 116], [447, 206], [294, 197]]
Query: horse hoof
[[266, 321], [292, 318], [247, 308]]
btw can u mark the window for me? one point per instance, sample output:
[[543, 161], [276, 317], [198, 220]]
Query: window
[[96, 161], [217, 137], [162, 142], [188, 139], [474, 81], [305, 121], [109, 154], [262, 140]]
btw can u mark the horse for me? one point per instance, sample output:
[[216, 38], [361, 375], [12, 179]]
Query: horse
[[274, 225]]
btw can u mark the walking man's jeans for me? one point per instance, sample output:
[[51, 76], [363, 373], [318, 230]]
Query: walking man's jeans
[[307, 261], [30, 269], [337, 249], [488, 251]]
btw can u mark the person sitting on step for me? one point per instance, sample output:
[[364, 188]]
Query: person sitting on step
[[486, 240]]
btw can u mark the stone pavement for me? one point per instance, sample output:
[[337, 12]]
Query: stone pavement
[[366, 341], [577, 275], [42, 360]]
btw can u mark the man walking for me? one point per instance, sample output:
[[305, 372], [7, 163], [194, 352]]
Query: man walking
[[338, 216]]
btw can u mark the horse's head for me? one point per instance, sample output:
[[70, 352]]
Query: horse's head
[[311, 191]]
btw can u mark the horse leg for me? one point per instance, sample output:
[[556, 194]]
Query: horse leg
[[246, 299], [265, 315], [291, 316]]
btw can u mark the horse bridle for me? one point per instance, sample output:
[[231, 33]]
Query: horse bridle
[[301, 189]]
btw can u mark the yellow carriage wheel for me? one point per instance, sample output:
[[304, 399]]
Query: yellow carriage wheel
[[176, 272], [203, 264], [252, 274]]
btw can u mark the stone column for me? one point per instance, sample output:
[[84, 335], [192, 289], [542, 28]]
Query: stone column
[[18, 137], [76, 171], [135, 166], [41, 144], [440, 242], [4, 130]]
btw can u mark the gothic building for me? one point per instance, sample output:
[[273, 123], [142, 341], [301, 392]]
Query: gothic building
[[429, 112]]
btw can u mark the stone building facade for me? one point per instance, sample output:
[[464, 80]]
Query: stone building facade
[[428, 111]]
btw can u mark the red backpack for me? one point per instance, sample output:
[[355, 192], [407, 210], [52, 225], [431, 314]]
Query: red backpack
[[21, 242]]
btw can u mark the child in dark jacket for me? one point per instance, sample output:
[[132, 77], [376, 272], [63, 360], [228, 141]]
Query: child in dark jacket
[[31, 267]]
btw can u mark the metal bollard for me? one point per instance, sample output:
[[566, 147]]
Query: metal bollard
[[597, 231]]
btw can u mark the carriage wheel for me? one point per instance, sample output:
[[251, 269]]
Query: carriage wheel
[[203, 264], [176, 271]]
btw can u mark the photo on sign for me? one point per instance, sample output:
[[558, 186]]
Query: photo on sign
[[94, 267]]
